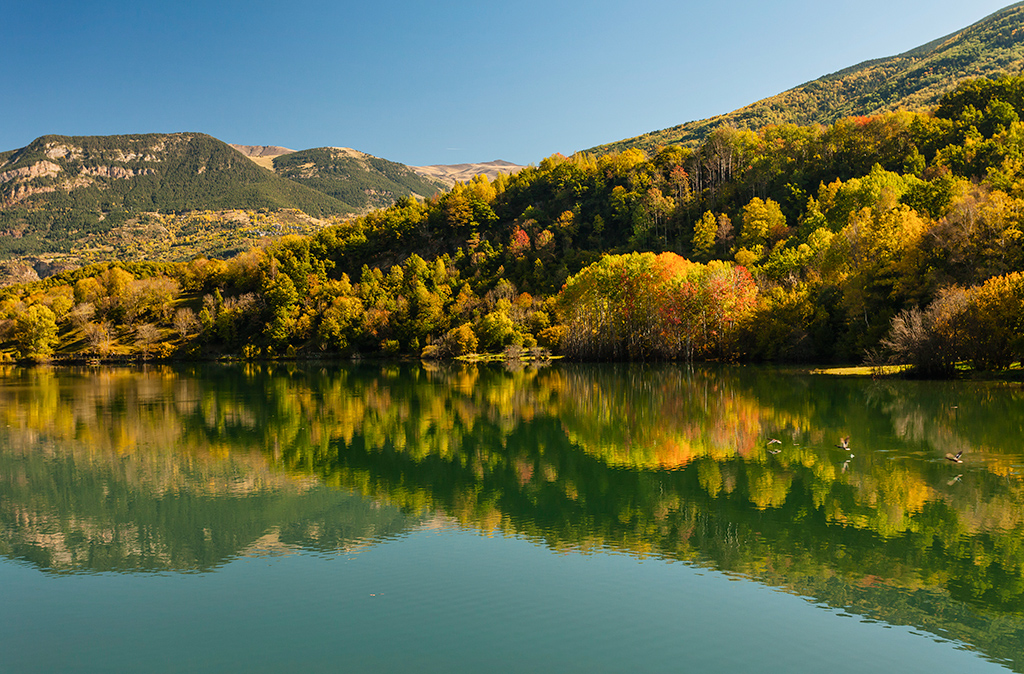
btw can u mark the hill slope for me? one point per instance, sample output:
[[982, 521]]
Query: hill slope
[[914, 80], [60, 189], [352, 177]]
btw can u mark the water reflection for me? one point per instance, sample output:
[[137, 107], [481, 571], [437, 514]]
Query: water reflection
[[183, 469]]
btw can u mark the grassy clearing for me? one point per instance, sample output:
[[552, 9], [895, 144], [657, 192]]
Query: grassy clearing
[[864, 371]]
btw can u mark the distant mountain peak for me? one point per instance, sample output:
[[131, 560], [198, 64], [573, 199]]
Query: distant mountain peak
[[263, 155], [449, 174], [262, 150]]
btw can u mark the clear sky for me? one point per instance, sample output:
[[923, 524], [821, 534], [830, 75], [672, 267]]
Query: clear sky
[[439, 82]]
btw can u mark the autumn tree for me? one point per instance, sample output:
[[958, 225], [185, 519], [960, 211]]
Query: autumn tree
[[763, 222], [35, 332], [641, 306], [704, 234]]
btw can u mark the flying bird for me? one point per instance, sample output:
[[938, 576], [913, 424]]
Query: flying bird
[[955, 458], [844, 443]]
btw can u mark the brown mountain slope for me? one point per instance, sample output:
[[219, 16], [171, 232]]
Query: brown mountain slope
[[262, 154], [449, 174]]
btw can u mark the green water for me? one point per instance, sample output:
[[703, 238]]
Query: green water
[[460, 519]]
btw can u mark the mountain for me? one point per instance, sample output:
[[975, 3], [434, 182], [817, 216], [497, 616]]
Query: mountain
[[362, 180], [59, 189], [262, 154], [355, 178], [449, 174], [913, 80], [71, 200]]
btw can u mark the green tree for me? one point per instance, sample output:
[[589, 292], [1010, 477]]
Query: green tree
[[36, 332], [496, 328]]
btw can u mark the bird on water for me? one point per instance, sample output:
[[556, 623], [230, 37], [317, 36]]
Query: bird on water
[[844, 444]]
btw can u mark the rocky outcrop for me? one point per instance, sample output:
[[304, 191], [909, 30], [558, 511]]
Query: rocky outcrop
[[62, 150], [116, 172], [38, 170], [21, 192], [17, 183]]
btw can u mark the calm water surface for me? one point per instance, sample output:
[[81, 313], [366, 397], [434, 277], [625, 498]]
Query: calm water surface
[[463, 519]]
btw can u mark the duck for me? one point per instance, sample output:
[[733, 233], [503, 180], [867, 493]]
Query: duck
[[844, 443], [955, 458]]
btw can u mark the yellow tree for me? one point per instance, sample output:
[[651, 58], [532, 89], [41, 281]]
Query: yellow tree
[[36, 332], [885, 258], [997, 321], [763, 221], [704, 234]]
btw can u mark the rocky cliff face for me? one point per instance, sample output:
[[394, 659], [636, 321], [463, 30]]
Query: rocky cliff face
[[19, 184], [54, 164], [16, 184]]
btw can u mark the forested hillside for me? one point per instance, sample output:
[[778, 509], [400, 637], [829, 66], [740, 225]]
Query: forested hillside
[[896, 235], [914, 80], [352, 177]]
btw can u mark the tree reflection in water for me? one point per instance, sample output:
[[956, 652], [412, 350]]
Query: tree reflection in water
[[182, 469]]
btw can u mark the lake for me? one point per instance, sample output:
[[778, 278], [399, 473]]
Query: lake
[[459, 518]]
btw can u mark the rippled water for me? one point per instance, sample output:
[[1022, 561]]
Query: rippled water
[[573, 518]]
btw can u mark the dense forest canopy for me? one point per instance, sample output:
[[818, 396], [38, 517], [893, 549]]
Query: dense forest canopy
[[895, 235]]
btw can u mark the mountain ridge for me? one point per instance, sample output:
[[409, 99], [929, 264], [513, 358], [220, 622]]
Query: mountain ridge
[[449, 174], [915, 79]]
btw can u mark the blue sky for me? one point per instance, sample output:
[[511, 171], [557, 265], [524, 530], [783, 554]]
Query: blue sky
[[430, 83]]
